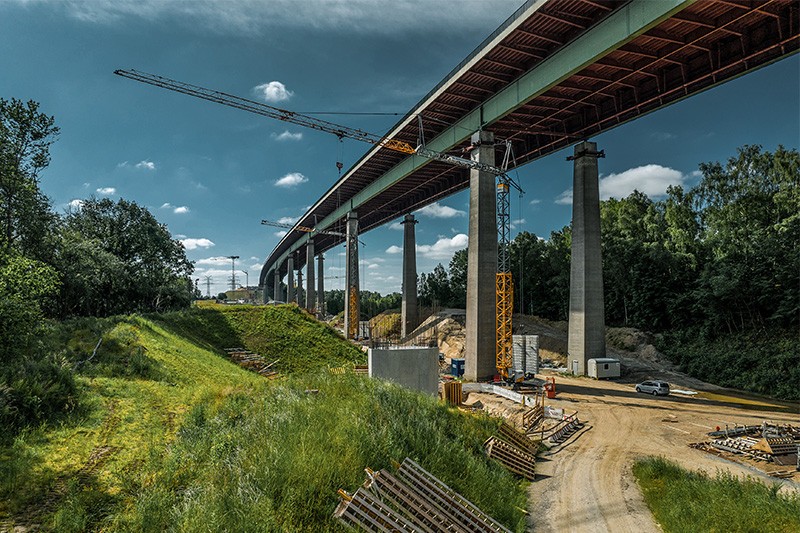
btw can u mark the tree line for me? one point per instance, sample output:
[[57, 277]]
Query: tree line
[[715, 265], [100, 258]]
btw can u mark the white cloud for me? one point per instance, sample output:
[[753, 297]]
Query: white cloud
[[179, 236], [565, 198], [444, 248], [535, 201], [662, 135], [436, 210], [373, 265], [181, 210], [166, 205], [257, 266], [256, 17], [76, 203], [124, 164], [288, 220], [397, 226], [193, 244], [273, 91], [215, 261], [106, 191], [144, 164], [651, 180], [291, 180], [394, 249], [288, 136], [280, 233]]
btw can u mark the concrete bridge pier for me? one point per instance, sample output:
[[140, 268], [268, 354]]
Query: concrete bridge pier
[[481, 264], [310, 291], [289, 279], [587, 334], [276, 289], [351, 296], [409, 319], [299, 287], [321, 286]]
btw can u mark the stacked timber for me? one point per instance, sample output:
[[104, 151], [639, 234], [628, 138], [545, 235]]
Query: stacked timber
[[252, 361], [452, 392], [774, 443]]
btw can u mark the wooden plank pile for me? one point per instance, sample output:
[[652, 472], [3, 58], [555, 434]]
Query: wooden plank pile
[[252, 361], [412, 499]]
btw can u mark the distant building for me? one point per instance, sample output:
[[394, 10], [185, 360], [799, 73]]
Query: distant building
[[246, 294]]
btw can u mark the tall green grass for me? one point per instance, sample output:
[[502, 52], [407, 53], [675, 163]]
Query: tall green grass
[[686, 501], [273, 460]]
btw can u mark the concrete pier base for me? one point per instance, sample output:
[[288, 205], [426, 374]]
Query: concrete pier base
[[586, 338], [414, 368], [409, 315], [481, 264]]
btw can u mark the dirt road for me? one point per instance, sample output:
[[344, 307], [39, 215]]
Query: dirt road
[[588, 485]]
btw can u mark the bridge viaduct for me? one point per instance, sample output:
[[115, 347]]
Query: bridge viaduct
[[552, 75]]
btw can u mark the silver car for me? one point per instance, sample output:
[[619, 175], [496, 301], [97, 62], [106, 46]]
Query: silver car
[[656, 388]]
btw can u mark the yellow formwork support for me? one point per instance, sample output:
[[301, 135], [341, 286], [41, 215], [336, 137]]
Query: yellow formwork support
[[504, 289], [354, 314]]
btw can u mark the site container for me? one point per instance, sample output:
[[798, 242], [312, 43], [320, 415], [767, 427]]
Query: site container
[[603, 367]]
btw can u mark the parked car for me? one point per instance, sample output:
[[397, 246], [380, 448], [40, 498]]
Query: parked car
[[656, 388]]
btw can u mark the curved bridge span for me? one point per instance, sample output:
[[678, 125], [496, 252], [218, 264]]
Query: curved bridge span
[[556, 72]]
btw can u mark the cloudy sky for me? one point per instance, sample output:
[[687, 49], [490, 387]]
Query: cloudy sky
[[211, 173]]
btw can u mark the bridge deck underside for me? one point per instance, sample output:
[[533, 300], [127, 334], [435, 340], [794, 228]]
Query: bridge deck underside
[[706, 43]]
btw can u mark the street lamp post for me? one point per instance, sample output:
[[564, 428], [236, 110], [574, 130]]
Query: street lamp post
[[233, 259]]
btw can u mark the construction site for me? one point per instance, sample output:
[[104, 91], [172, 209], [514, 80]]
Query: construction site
[[264, 411], [621, 61]]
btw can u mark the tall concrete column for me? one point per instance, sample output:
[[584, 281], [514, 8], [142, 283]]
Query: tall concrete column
[[409, 316], [586, 311], [481, 264], [351, 303], [276, 289], [300, 287], [321, 286], [290, 279], [311, 299]]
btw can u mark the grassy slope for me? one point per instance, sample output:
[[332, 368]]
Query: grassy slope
[[173, 435], [684, 501]]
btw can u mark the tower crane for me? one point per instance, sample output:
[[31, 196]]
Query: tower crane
[[503, 283]]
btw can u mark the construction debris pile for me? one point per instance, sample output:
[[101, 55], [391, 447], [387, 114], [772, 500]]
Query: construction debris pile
[[252, 361], [411, 500], [771, 443]]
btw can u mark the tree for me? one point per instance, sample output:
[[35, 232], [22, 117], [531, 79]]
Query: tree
[[434, 288], [122, 260], [458, 279], [25, 138]]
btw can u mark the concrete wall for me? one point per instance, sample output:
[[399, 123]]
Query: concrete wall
[[413, 368]]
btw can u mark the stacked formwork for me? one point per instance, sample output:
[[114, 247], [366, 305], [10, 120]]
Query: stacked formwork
[[411, 500], [771, 443]]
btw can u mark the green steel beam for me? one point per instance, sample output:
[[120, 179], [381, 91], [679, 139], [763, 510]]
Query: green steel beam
[[620, 27]]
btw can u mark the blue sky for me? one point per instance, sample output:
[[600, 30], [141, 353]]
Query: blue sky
[[211, 173]]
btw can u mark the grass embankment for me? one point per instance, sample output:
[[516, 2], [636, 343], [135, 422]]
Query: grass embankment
[[171, 435], [684, 501]]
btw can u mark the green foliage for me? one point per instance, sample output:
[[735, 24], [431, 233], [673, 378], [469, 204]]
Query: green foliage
[[34, 385], [685, 501], [274, 460], [117, 258], [25, 138], [764, 361], [371, 303], [434, 288]]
